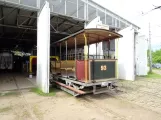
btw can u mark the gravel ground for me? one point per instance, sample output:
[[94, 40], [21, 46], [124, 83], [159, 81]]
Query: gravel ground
[[138, 100], [142, 92]]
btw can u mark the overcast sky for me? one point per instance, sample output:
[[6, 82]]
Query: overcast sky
[[132, 11]]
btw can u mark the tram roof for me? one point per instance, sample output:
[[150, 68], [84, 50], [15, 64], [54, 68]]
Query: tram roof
[[93, 35]]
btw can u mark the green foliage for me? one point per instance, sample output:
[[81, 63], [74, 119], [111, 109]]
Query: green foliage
[[39, 92], [156, 56]]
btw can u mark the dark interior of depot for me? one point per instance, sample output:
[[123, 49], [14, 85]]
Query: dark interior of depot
[[18, 36]]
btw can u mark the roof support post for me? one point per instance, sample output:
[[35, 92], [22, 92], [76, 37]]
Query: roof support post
[[96, 50], [108, 44], [88, 49], [60, 55], [30, 67], [55, 54], [75, 39], [85, 58], [116, 56], [66, 46]]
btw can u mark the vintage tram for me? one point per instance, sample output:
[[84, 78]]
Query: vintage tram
[[77, 71]]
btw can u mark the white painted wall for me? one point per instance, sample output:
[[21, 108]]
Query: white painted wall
[[126, 54], [141, 55], [43, 48]]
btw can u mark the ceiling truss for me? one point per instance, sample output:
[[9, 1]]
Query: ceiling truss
[[21, 28]]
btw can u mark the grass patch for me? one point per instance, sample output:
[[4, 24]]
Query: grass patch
[[39, 92], [9, 94], [5, 109], [153, 75]]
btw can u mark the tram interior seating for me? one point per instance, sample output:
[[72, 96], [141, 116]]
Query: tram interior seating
[[65, 67]]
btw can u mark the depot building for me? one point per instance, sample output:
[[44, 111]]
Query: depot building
[[29, 30]]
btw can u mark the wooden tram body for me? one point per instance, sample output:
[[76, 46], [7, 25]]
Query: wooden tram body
[[79, 72]]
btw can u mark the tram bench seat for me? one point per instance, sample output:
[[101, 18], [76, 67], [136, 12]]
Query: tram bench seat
[[65, 65], [70, 69]]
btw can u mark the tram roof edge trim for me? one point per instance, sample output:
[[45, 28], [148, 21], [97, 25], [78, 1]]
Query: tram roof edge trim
[[94, 35]]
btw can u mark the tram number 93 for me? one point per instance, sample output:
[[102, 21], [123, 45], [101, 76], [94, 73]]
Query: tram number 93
[[103, 67]]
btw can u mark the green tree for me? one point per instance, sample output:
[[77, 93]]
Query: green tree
[[156, 56]]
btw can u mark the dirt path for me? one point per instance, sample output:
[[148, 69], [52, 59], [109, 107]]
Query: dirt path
[[122, 110], [18, 104], [139, 100], [66, 107]]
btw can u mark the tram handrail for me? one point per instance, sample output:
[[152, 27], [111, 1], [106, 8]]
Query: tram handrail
[[81, 57]]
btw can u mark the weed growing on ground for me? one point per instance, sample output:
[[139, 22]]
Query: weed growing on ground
[[39, 92], [5, 109], [153, 75], [9, 93]]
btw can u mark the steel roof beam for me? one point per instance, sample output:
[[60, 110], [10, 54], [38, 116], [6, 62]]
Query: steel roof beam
[[65, 21], [61, 23], [70, 27], [27, 16], [16, 21], [52, 17], [29, 21], [2, 20], [14, 38], [53, 28], [7, 14], [86, 2], [27, 28], [71, 24]]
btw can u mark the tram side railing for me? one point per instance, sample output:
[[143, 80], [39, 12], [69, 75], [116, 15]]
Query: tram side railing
[[82, 57]]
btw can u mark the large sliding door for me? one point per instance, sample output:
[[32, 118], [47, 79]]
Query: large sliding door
[[126, 55], [43, 48]]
